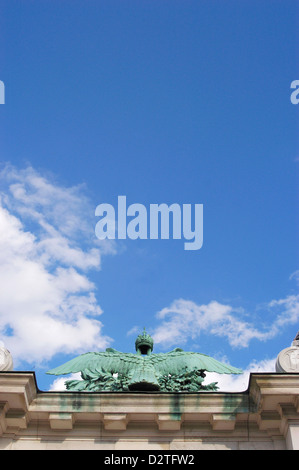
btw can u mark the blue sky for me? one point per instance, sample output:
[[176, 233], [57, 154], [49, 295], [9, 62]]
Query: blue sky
[[183, 102]]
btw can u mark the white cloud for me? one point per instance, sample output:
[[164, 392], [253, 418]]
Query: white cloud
[[59, 383], [184, 320], [239, 383], [47, 247]]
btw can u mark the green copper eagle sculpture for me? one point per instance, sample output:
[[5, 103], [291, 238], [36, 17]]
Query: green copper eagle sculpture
[[111, 370]]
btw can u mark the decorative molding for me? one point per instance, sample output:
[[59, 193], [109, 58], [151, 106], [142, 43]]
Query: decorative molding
[[267, 414]]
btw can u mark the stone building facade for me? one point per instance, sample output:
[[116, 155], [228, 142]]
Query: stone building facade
[[265, 416]]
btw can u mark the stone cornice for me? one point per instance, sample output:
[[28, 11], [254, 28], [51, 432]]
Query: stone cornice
[[271, 402]]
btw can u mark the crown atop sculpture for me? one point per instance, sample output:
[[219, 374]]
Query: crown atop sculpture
[[144, 343]]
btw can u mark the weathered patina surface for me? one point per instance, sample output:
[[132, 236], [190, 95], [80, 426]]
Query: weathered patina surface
[[111, 370]]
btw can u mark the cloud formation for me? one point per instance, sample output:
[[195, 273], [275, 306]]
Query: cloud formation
[[47, 248], [240, 383], [184, 320]]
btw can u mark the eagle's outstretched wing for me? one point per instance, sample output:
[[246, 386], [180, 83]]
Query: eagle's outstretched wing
[[176, 361], [109, 361]]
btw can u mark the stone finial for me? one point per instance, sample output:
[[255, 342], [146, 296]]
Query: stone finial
[[6, 362], [296, 340], [288, 359]]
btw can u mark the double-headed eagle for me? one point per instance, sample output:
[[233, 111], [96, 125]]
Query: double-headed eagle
[[112, 370]]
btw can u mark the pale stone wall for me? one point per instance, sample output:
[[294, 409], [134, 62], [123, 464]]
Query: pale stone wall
[[266, 416]]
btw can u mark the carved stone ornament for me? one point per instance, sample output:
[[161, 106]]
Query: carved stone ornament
[[288, 360], [6, 362]]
